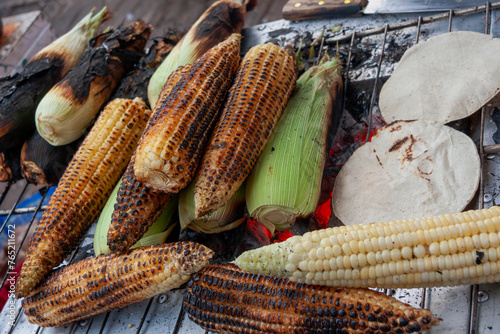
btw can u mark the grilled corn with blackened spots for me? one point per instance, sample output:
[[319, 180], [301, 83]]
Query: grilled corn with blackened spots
[[225, 299], [255, 102], [448, 250], [83, 189], [97, 285], [170, 149], [138, 206]]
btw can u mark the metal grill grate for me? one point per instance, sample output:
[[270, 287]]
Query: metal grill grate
[[463, 309]]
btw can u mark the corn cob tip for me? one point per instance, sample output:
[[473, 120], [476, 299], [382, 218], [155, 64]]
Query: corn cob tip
[[447, 250]]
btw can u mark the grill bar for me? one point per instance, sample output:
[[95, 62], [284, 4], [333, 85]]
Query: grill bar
[[350, 38]]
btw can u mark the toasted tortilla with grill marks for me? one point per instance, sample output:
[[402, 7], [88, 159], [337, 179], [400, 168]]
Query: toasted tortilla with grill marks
[[408, 170]]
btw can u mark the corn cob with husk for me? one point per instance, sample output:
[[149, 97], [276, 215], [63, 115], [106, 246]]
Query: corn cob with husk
[[170, 148], [83, 189], [255, 102], [100, 284], [225, 218], [65, 112], [138, 206], [220, 20], [286, 181], [21, 92], [143, 218], [448, 250], [135, 83], [226, 299]]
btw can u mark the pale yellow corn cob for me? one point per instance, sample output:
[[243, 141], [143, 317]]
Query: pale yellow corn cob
[[448, 250]]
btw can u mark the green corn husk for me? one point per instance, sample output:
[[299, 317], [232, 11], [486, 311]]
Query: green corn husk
[[156, 234], [286, 181], [220, 20], [223, 219]]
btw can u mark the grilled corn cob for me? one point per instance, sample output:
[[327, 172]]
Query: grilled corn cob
[[170, 148], [66, 111], [448, 250], [97, 285], [138, 206], [83, 189], [218, 22], [286, 180], [225, 299], [21, 92], [157, 231], [256, 100]]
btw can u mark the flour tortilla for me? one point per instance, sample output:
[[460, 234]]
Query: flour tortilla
[[409, 170], [446, 78]]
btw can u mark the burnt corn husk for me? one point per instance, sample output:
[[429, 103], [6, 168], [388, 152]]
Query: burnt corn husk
[[21, 92], [135, 83], [66, 111], [97, 285], [44, 164], [218, 22], [83, 189], [10, 164], [225, 299]]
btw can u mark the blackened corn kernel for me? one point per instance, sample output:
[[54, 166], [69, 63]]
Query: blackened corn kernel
[[291, 307], [97, 285]]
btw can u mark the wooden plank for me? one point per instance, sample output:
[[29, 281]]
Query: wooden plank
[[316, 9]]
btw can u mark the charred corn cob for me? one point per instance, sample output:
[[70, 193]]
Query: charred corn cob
[[225, 299], [21, 92], [256, 100], [286, 181], [218, 22], [156, 233], [138, 206], [97, 285], [66, 111], [169, 150], [448, 250], [83, 189]]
